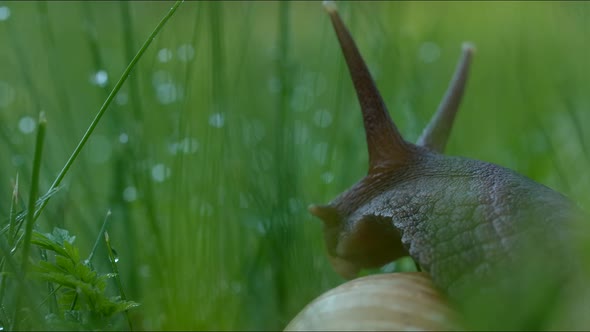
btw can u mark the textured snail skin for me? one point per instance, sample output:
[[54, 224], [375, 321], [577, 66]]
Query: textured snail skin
[[471, 225], [458, 218]]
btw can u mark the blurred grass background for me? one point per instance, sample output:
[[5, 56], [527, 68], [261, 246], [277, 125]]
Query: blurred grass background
[[241, 114]]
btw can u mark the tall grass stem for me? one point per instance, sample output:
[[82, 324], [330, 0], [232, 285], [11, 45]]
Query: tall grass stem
[[107, 103], [34, 192]]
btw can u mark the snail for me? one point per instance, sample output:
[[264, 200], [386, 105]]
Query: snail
[[480, 231], [387, 302]]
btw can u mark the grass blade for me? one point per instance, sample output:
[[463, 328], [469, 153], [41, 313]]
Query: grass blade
[[30, 216], [107, 103], [102, 230], [113, 259], [10, 237], [12, 213]]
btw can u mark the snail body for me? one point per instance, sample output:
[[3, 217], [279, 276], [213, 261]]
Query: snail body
[[478, 229]]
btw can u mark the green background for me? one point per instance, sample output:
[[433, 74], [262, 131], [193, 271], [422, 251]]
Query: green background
[[241, 114]]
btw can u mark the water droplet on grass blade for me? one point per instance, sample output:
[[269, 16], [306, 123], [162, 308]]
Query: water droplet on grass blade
[[274, 85], [160, 172], [99, 78], [301, 132], [130, 194], [186, 52], [429, 52], [322, 118], [187, 145], [145, 271], [161, 77], [123, 138], [18, 160], [327, 177], [164, 55], [320, 152], [217, 120], [302, 98], [4, 13], [206, 209], [115, 255], [26, 125], [122, 98], [166, 93]]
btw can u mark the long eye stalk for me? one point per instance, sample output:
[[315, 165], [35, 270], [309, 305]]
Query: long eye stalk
[[436, 134], [386, 145]]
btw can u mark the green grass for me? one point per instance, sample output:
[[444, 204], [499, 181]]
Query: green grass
[[239, 115]]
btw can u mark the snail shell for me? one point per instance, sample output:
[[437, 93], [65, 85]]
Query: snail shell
[[392, 301]]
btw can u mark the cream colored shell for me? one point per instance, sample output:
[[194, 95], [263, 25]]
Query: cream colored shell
[[393, 301]]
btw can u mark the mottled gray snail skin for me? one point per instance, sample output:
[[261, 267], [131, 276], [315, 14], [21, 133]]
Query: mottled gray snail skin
[[469, 224]]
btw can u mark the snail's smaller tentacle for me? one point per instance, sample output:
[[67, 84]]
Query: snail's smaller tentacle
[[436, 134]]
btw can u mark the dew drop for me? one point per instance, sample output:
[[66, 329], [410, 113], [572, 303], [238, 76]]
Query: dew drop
[[320, 152], [123, 138], [327, 177], [236, 287], [161, 77], [122, 98], [164, 55], [130, 194], [429, 52], [217, 120], [166, 93], [294, 205], [186, 52], [115, 255], [253, 132], [99, 78], [261, 228], [243, 201], [26, 125], [187, 145], [4, 13], [302, 98], [145, 271], [206, 209], [300, 132], [18, 160], [322, 118], [274, 85], [160, 172], [262, 160]]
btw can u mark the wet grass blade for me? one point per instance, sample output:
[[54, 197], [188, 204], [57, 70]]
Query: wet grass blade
[[108, 102], [30, 215], [113, 259]]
